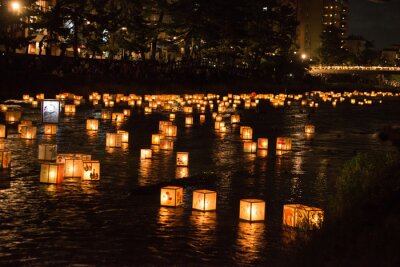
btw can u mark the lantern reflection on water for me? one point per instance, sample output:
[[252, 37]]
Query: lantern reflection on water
[[52, 173], [252, 210], [262, 143], [92, 124], [5, 158], [171, 196], [302, 216], [47, 152], [28, 132], [182, 158], [50, 129], [91, 170], [145, 153], [283, 143], [113, 140], [204, 200]]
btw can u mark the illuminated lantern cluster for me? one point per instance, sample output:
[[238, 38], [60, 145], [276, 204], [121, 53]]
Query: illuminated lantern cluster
[[204, 200], [182, 158], [302, 216], [171, 196], [252, 210], [50, 129], [92, 124], [47, 152]]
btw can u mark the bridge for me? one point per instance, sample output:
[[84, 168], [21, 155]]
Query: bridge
[[318, 70]]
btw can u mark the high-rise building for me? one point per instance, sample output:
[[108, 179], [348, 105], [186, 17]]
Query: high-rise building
[[313, 16]]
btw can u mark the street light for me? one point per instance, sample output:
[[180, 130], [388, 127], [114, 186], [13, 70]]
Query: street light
[[303, 56], [15, 6]]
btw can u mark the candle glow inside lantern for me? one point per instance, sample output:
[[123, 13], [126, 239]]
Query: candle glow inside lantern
[[91, 170], [125, 136], [250, 147], [127, 112], [189, 121], [28, 132], [235, 119], [105, 114], [262, 143], [171, 196], [163, 124], [22, 124], [156, 138], [69, 109], [171, 131], [51, 173], [117, 117], [92, 124], [283, 143], [202, 118], [47, 152], [113, 140], [218, 118], [182, 158], [302, 216], [309, 129], [5, 158], [246, 132], [13, 115], [166, 144], [50, 129], [73, 167], [204, 200], [187, 109], [252, 210], [172, 116], [3, 131], [145, 153]]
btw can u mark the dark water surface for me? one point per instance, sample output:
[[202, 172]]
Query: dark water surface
[[118, 221]]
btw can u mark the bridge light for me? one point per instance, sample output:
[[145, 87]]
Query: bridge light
[[303, 56]]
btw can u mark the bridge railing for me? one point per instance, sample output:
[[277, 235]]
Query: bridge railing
[[353, 68]]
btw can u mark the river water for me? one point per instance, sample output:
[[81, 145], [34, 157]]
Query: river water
[[118, 221]]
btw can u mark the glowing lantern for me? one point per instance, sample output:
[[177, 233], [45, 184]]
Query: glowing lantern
[[92, 124], [219, 125], [182, 172], [246, 132], [145, 153], [47, 152], [309, 129], [69, 109], [303, 217], [5, 158], [22, 124], [3, 131], [35, 104], [218, 118], [202, 118], [187, 109], [28, 132], [252, 210], [262, 143], [172, 116], [40, 96], [163, 124], [25, 98], [125, 136], [182, 158], [155, 139], [171, 196], [91, 170], [50, 129], [204, 200], [117, 117], [166, 144], [235, 119], [250, 147], [147, 110], [113, 140], [283, 143], [171, 130], [73, 167], [189, 121], [127, 112], [51, 173], [13, 115], [105, 114]]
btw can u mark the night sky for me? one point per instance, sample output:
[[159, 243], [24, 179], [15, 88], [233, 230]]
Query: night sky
[[376, 20]]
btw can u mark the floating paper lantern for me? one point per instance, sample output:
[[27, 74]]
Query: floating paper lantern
[[47, 152], [166, 144], [40, 96], [303, 217], [22, 124], [113, 140], [125, 136], [105, 114], [155, 139], [246, 132], [127, 112], [262, 143], [252, 210], [35, 104], [182, 172], [147, 110], [202, 118], [13, 115], [73, 167], [187, 109], [283, 143], [172, 116], [145, 153], [189, 121], [50, 129], [117, 117], [163, 124], [69, 109], [3, 131], [92, 124], [309, 129], [218, 118], [182, 158], [171, 196], [5, 158], [25, 98], [91, 170], [235, 119], [218, 125], [28, 132], [204, 200], [171, 131], [250, 147], [51, 173]]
